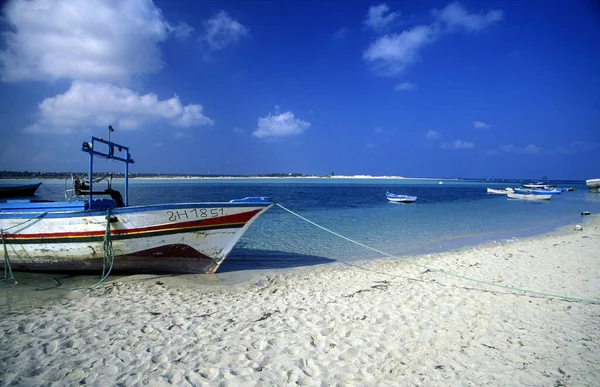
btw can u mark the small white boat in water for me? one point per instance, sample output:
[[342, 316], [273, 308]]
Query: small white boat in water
[[593, 185], [392, 197], [528, 196], [500, 191]]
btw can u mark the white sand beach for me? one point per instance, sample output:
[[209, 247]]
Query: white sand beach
[[380, 323]]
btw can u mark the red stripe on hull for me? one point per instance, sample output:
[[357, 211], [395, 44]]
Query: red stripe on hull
[[223, 220]]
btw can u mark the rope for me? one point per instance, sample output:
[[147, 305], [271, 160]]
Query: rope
[[7, 267], [108, 256], [440, 270]]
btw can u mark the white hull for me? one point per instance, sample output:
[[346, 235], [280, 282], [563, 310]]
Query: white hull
[[593, 185], [193, 237], [534, 197]]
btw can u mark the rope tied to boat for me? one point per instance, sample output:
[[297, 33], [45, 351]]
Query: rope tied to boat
[[8, 274], [108, 255], [431, 269]]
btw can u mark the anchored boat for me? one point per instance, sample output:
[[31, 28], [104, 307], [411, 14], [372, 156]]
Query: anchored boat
[[18, 190], [392, 197], [98, 228]]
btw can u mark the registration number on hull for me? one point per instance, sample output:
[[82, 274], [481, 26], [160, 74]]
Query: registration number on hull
[[195, 213]]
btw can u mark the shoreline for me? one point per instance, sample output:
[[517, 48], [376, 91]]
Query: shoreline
[[384, 322]]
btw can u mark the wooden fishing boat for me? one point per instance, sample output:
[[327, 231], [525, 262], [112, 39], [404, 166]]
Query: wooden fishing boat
[[534, 191], [528, 196], [90, 232], [392, 197], [593, 185], [18, 190], [500, 191]]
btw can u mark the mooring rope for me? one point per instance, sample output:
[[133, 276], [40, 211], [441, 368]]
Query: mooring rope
[[108, 256], [7, 267], [511, 288]]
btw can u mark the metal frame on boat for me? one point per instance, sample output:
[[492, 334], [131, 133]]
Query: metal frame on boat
[[89, 233]]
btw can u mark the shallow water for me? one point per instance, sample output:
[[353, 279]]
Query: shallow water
[[446, 216]]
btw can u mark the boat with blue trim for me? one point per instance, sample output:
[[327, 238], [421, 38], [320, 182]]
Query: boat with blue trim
[[98, 228], [392, 197]]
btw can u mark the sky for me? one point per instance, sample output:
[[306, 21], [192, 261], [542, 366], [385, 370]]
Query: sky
[[467, 89]]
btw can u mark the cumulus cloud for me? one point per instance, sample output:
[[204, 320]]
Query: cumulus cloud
[[458, 144], [222, 30], [391, 54], [405, 86], [93, 40], [282, 125], [481, 125], [432, 135], [455, 15], [377, 18], [88, 104]]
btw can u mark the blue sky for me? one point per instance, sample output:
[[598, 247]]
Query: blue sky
[[489, 89]]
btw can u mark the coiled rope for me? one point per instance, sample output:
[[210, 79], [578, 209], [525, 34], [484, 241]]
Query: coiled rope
[[448, 273]]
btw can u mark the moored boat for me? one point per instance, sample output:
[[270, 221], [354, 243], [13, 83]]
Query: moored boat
[[534, 191], [528, 196], [392, 197], [500, 191], [18, 190], [91, 233], [593, 185]]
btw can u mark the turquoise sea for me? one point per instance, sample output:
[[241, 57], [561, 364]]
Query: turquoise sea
[[454, 214]]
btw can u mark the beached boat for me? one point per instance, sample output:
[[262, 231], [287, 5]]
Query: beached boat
[[528, 196], [90, 233], [18, 190], [392, 197], [593, 185], [500, 191]]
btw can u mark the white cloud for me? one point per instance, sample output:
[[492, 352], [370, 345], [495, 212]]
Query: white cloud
[[93, 40], [405, 86], [391, 54], [458, 144], [222, 30], [376, 18], [481, 125], [99, 104], [455, 16], [432, 135], [280, 125]]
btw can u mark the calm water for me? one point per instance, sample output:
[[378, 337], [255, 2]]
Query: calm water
[[454, 214], [446, 216]]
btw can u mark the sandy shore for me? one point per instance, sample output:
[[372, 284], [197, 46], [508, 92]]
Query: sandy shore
[[385, 323]]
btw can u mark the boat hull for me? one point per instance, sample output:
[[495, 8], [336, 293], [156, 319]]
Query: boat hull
[[18, 191], [176, 238], [593, 185], [397, 198], [535, 197]]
